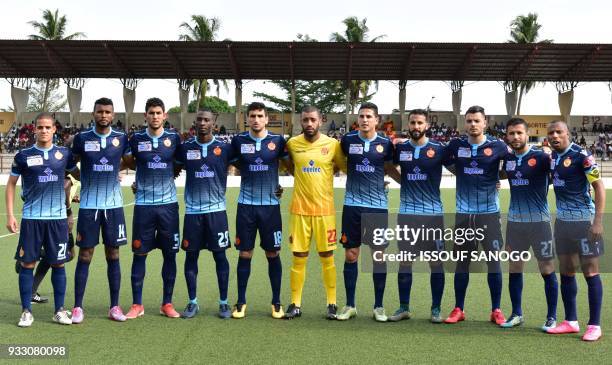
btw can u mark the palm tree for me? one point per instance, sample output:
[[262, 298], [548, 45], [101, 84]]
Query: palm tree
[[52, 28], [357, 31], [524, 30], [203, 30]]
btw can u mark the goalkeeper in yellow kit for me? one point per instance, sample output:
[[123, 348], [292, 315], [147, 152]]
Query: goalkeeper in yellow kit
[[312, 160]]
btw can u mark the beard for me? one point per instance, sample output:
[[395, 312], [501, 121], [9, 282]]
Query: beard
[[416, 135]]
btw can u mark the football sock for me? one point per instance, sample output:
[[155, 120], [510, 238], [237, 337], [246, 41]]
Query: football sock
[[168, 275], [328, 268], [404, 286], [297, 278], [242, 273], [350, 281], [222, 268], [462, 279], [275, 272], [551, 290], [191, 273], [139, 268], [569, 289], [595, 298], [80, 281], [515, 286], [113, 271], [379, 278], [58, 279], [436, 281], [41, 270], [26, 277], [494, 280]]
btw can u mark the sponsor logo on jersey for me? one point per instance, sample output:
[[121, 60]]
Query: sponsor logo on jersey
[[510, 165], [365, 166], [464, 152], [488, 151], [473, 169], [557, 181], [34, 161], [259, 166], [431, 153], [519, 181], [405, 156], [311, 168], [48, 177], [145, 146], [92, 146], [205, 173], [380, 148], [416, 175], [104, 167], [532, 162], [355, 149], [194, 155], [156, 164], [247, 148], [567, 162]]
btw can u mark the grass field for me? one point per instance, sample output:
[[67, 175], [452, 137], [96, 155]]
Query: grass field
[[310, 339]]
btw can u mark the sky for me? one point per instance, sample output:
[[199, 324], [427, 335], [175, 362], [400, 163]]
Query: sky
[[564, 21]]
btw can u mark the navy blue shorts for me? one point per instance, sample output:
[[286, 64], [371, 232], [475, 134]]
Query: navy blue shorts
[[111, 222], [360, 224], [155, 226], [206, 231], [426, 233], [571, 237], [486, 229], [50, 235], [520, 236], [263, 218]]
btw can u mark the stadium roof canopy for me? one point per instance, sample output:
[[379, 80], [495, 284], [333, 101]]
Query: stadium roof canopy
[[305, 60]]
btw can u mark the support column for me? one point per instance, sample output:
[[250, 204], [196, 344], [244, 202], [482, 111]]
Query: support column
[[20, 98], [511, 102], [74, 92], [129, 99], [184, 89], [402, 103], [238, 94], [347, 105], [293, 111], [566, 99]]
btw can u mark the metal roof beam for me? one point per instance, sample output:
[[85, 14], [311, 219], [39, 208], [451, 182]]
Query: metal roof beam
[[522, 67], [349, 66], [291, 65], [176, 63], [12, 65], [59, 63], [408, 63], [118, 63], [578, 70], [467, 63], [233, 64]]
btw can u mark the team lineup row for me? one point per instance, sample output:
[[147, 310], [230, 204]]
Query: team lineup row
[[158, 156]]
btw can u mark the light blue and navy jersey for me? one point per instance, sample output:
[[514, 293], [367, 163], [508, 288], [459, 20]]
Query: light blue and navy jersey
[[42, 180], [206, 167], [365, 165], [100, 157], [528, 175], [258, 160], [572, 172], [421, 168], [155, 157], [477, 169]]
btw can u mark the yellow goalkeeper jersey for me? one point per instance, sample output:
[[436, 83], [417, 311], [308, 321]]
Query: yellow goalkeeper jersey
[[313, 191]]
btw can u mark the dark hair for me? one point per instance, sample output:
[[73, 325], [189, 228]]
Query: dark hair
[[257, 106], [418, 112], [475, 109], [516, 121], [205, 110], [152, 102], [370, 106], [44, 115], [103, 101], [312, 109], [555, 121]]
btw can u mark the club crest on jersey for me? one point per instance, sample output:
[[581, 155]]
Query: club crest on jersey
[[324, 151], [58, 155], [464, 152], [217, 151], [34, 161], [247, 148], [431, 153], [145, 146], [567, 162], [115, 142], [271, 146], [380, 148], [365, 166], [405, 156], [136, 244], [167, 142], [92, 146], [185, 243], [532, 162], [356, 149], [194, 155], [510, 165], [488, 151]]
